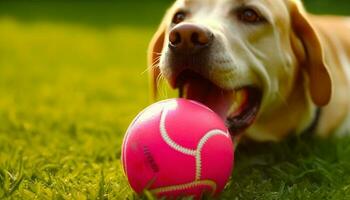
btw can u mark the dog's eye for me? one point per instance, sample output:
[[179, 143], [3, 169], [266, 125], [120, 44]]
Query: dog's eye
[[249, 15], [179, 17]]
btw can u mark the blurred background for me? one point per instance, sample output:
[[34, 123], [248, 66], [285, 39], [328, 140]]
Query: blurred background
[[72, 76]]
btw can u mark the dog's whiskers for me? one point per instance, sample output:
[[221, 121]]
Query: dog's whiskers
[[154, 65], [161, 87]]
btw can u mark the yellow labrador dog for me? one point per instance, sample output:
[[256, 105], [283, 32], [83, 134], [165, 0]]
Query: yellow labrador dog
[[265, 66]]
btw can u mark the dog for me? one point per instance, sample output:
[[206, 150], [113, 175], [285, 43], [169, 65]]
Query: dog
[[267, 67]]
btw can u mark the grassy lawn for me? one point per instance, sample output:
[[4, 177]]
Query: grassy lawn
[[67, 96], [71, 83]]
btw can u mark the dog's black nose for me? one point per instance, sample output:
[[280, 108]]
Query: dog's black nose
[[189, 38]]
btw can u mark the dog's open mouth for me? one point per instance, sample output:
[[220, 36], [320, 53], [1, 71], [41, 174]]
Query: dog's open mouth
[[238, 108]]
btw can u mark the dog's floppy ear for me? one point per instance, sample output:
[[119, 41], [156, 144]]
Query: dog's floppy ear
[[154, 51], [320, 83]]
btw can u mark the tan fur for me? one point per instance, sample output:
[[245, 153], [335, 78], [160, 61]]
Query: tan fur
[[334, 34], [300, 61]]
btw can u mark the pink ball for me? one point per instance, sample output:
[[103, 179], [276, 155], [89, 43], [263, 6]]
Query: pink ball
[[178, 148]]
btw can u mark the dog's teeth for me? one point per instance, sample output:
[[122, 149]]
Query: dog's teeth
[[237, 103]]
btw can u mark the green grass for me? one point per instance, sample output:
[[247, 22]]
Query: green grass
[[67, 96], [299, 168], [103, 14], [69, 87]]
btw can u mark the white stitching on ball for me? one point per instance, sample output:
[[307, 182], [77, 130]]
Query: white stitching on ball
[[168, 140], [208, 183], [197, 152], [201, 144]]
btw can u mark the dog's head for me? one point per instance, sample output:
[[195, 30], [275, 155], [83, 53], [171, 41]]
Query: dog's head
[[213, 50]]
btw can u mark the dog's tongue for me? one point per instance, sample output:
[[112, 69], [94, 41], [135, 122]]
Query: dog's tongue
[[205, 92]]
